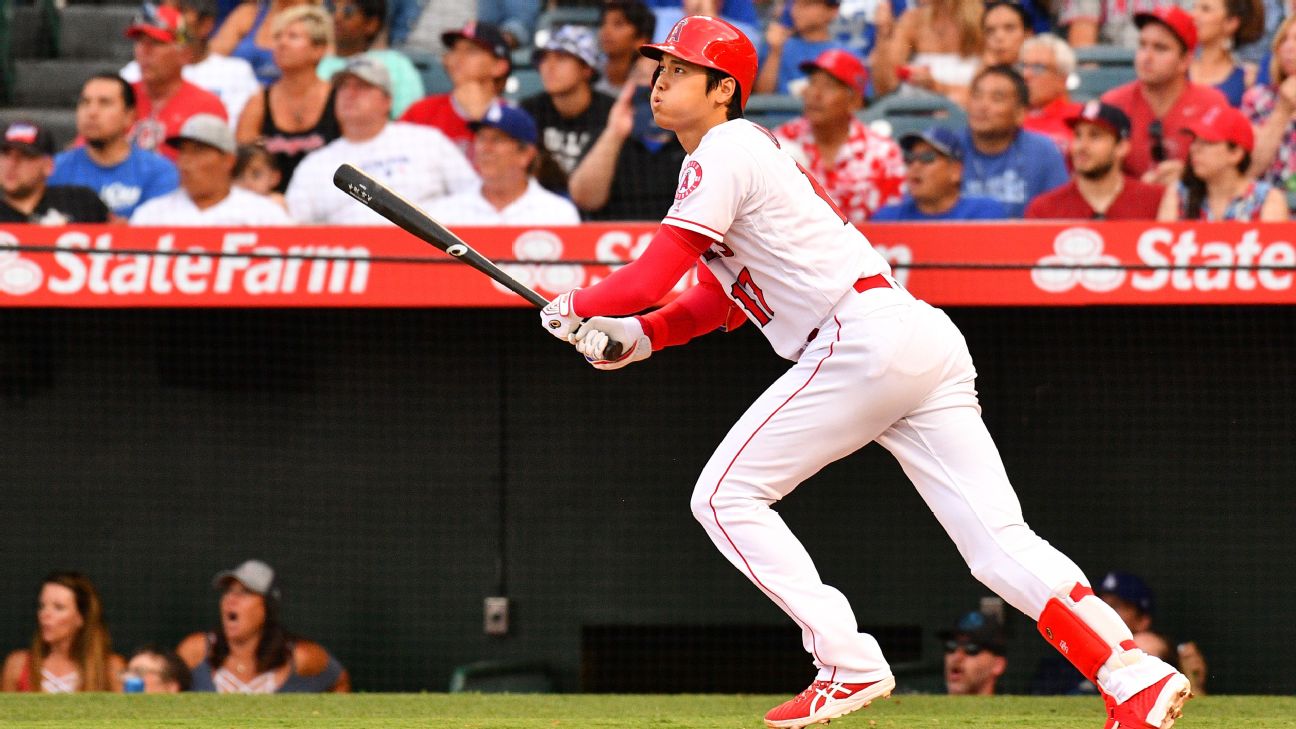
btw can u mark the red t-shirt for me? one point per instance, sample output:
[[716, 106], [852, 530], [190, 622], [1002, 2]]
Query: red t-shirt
[[1137, 201], [1051, 122], [440, 112], [1193, 102], [153, 126]]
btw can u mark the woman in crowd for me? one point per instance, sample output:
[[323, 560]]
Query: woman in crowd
[[1005, 27], [294, 116], [934, 45], [248, 33], [1271, 110], [1215, 183], [71, 649], [250, 651], [1223, 25]]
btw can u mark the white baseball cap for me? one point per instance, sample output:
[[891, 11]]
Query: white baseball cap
[[207, 129], [255, 575]]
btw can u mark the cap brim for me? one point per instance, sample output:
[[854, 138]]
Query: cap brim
[[158, 34], [30, 150], [1075, 121], [655, 51], [176, 140]]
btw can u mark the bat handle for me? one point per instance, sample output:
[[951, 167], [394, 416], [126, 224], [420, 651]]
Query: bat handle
[[612, 350]]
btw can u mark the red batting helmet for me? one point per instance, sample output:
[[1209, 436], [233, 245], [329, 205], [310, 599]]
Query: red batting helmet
[[713, 43]]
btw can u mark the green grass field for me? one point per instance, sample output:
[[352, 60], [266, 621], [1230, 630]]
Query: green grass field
[[492, 711]]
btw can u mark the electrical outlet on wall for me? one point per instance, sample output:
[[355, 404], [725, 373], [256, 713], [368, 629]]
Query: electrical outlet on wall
[[496, 616]]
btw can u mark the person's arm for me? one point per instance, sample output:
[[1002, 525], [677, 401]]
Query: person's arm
[[193, 649], [1269, 135], [644, 281], [1169, 210], [590, 183], [1274, 209], [776, 38], [249, 121], [116, 667], [321, 670], [13, 668], [236, 25], [1082, 32], [891, 51]]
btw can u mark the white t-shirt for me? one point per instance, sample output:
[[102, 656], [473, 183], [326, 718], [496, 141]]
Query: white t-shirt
[[242, 207], [418, 162], [783, 251], [537, 206], [231, 79]]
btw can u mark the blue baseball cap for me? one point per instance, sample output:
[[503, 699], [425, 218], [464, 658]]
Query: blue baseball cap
[[1130, 588], [977, 627], [943, 140], [508, 119]]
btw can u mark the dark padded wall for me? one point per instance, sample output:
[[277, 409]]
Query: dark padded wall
[[397, 467]]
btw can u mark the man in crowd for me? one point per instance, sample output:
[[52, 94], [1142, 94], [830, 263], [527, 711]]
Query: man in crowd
[[1099, 189], [478, 63], [161, 670], [505, 154], [569, 113], [205, 155], [624, 25], [163, 99], [230, 79], [934, 179], [357, 26], [1161, 100], [1046, 63], [123, 175], [417, 161], [787, 48], [1002, 160], [26, 162], [974, 655], [861, 169]]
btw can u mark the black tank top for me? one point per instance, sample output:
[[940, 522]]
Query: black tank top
[[288, 148]]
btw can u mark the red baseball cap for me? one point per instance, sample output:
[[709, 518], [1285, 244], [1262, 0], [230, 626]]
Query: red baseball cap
[[162, 23], [842, 65], [1176, 19], [1223, 124]]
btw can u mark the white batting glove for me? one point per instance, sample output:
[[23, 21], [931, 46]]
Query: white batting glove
[[558, 318], [592, 338]]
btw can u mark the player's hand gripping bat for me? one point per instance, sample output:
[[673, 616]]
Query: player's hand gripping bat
[[387, 203]]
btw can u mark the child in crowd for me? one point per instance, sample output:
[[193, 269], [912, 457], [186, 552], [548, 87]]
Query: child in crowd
[[255, 171]]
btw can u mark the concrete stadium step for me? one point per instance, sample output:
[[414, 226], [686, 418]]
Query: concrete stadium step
[[60, 122], [54, 84], [25, 33], [94, 31]]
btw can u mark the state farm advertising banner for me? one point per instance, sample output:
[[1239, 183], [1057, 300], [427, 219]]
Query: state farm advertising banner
[[946, 264]]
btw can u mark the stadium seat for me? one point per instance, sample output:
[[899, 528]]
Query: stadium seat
[[1102, 55], [900, 114], [772, 110], [532, 677], [1094, 82], [435, 80], [522, 83]]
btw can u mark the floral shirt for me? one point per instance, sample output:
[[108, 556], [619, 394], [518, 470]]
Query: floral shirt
[[867, 174], [1244, 208], [1257, 104]]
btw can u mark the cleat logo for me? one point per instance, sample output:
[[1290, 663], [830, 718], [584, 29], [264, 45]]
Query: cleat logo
[[1066, 649]]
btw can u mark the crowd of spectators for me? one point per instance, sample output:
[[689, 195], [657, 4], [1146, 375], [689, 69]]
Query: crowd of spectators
[[237, 113], [249, 650]]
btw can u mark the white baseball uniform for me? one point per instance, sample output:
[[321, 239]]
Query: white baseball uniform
[[870, 364]]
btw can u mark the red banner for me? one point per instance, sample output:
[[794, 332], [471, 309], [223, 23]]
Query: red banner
[[946, 264]]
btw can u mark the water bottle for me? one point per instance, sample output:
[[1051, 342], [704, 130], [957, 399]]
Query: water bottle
[[133, 684]]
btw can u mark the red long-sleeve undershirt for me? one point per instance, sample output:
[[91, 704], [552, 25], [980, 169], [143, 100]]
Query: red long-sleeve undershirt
[[643, 282]]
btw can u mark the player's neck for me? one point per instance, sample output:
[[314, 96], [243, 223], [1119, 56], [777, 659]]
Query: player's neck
[[691, 137]]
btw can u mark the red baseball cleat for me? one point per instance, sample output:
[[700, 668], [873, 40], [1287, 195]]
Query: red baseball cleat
[[826, 700], [1155, 707]]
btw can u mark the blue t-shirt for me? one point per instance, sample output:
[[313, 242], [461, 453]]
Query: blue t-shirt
[[967, 208], [135, 180], [1031, 165]]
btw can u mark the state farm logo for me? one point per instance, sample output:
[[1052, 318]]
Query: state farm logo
[[541, 245], [1075, 248], [18, 276]]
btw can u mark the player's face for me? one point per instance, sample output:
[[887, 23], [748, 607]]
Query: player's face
[[204, 171], [101, 113], [242, 612], [159, 62], [499, 156], [828, 100], [22, 174], [360, 104], [1004, 34], [994, 107], [970, 675], [930, 175], [1094, 150], [617, 35], [562, 73], [57, 614], [294, 48], [1160, 58], [679, 97], [1039, 68], [467, 62]]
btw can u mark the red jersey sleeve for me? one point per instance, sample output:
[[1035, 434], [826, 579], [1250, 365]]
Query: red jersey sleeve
[[701, 309], [643, 282]]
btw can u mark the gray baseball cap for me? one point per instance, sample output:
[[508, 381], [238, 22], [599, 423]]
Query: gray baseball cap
[[255, 575], [207, 129], [576, 40], [368, 68]]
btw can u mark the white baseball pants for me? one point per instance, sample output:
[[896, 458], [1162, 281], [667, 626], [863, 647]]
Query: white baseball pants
[[886, 367]]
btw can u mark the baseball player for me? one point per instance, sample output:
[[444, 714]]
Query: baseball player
[[870, 362]]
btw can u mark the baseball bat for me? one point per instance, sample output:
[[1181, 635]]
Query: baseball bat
[[389, 204]]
